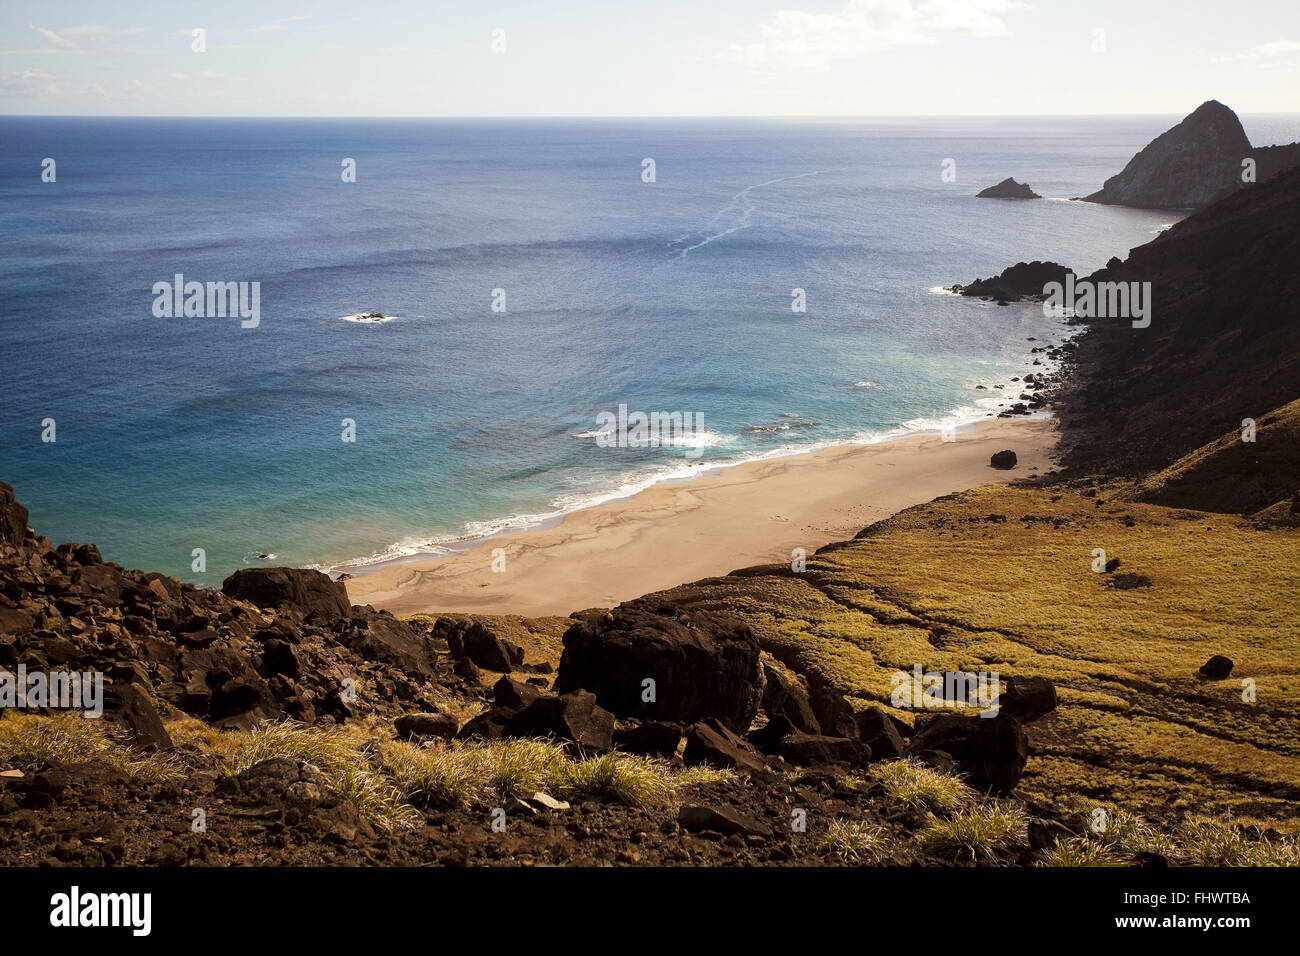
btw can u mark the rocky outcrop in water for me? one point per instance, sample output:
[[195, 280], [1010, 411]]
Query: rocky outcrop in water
[[1008, 189]]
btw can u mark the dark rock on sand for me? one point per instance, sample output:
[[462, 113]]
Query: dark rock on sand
[[1004, 460]]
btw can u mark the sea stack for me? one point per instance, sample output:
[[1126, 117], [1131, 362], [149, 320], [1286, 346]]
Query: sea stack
[[1008, 189]]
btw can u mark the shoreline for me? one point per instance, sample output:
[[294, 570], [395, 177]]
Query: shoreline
[[670, 533]]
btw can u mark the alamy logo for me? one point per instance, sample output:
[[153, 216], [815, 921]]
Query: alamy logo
[[1086, 299], [66, 690], [652, 430], [74, 909], [923, 689], [213, 300]]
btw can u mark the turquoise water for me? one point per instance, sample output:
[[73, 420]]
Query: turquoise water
[[672, 296]]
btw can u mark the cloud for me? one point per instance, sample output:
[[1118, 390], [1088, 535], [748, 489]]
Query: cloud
[[280, 24], [795, 40], [37, 83], [1266, 55]]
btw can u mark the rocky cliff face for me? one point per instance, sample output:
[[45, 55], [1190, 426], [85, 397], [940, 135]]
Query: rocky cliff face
[[1223, 344], [1188, 166]]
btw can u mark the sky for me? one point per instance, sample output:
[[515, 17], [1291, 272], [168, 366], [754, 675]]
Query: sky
[[663, 58]]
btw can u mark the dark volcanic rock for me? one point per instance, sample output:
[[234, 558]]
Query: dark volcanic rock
[[304, 590], [1004, 460], [1023, 280], [834, 713], [1027, 697], [714, 744], [702, 665], [880, 733], [815, 750], [1008, 189], [573, 716], [784, 698], [13, 518], [1217, 667], [650, 738], [473, 640], [991, 751], [721, 819], [132, 706], [768, 737]]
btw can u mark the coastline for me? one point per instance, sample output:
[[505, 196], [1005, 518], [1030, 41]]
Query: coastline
[[756, 512]]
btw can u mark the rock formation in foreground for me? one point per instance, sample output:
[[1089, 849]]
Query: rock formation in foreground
[[1194, 163], [1008, 189]]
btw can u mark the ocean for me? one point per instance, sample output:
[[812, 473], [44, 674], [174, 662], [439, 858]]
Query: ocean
[[535, 280]]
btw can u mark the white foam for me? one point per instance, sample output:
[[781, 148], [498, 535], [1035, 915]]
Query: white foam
[[367, 318]]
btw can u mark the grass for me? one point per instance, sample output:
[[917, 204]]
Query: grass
[[913, 785], [29, 742], [852, 840], [452, 773], [999, 579], [1198, 841], [984, 832]]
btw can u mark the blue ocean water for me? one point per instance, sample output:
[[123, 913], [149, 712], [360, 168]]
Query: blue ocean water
[[182, 433]]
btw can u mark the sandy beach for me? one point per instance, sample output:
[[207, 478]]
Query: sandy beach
[[753, 513]]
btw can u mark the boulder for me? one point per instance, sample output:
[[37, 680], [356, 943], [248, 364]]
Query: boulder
[[816, 750], [1217, 667], [514, 694], [573, 716], [132, 707], [834, 713], [880, 733], [767, 739], [303, 590], [721, 820], [1027, 697], [378, 636], [1003, 460], [473, 640], [713, 743], [650, 738], [703, 665], [783, 697], [992, 752]]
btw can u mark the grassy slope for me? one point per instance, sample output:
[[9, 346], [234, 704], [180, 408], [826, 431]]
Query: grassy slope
[[952, 588]]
